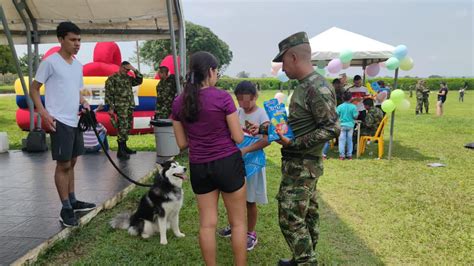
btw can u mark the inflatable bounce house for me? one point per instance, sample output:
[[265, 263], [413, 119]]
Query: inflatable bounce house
[[106, 61]]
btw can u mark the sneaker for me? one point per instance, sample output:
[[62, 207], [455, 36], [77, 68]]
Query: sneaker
[[225, 232], [251, 240], [341, 158], [349, 158], [325, 157], [67, 217], [81, 206]]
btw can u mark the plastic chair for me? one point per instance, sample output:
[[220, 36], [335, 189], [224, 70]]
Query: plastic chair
[[377, 137]]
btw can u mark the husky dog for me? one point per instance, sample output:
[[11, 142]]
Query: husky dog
[[159, 208]]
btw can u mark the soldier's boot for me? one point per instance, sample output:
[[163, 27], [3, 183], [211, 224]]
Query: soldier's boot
[[121, 153], [128, 150], [426, 109]]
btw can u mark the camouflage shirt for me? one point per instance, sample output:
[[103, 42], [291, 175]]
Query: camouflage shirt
[[372, 120], [118, 90], [165, 94], [312, 116], [422, 91]]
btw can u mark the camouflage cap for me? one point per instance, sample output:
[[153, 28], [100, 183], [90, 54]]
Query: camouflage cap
[[293, 40]]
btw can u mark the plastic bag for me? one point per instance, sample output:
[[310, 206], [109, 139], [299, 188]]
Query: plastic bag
[[278, 120], [254, 161]]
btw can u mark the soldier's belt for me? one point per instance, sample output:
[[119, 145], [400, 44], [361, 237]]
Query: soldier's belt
[[291, 155]]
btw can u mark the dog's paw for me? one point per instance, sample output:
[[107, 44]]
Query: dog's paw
[[145, 236], [132, 231], [179, 234], [164, 241]]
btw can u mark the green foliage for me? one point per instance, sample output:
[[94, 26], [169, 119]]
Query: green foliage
[[7, 64], [198, 38], [261, 83], [243, 74]]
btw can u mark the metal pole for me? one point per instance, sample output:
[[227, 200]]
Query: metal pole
[[182, 36], [19, 7], [392, 120], [364, 64], [138, 56], [169, 7]]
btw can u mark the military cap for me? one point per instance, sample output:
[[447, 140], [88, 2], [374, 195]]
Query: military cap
[[293, 40]]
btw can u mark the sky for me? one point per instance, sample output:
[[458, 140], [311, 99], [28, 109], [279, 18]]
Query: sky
[[439, 34]]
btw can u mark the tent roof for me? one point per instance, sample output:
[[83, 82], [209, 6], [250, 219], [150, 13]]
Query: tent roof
[[328, 44], [99, 20]]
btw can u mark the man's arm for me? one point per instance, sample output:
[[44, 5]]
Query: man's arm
[[36, 97], [109, 95], [138, 79]]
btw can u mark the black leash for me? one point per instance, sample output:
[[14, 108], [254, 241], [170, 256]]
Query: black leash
[[88, 121]]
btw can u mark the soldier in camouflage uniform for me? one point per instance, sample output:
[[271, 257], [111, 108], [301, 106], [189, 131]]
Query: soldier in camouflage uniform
[[313, 119], [422, 97], [372, 119], [165, 93], [119, 98]]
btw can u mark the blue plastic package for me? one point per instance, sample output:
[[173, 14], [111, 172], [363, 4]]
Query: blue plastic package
[[254, 161], [278, 120]]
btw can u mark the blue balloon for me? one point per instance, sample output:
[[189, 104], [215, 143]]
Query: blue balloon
[[282, 76], [400, 51]]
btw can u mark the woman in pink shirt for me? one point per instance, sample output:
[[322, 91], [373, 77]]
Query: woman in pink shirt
[[206, 121]]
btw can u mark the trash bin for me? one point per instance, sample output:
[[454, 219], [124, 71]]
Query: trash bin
[[166, 146]]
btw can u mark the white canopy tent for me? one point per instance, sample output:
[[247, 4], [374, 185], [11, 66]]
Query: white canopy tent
[[34, 22], [328, 44]]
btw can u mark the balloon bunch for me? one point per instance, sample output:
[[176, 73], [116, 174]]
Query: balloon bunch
[[397, 101], [342, 62], [277, 71], [400, 59]]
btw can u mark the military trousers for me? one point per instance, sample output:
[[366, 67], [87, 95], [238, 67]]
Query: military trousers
[[124, 123], [298, 207]]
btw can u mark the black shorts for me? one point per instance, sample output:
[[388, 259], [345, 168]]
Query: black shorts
[[66, 143], [226, 174]]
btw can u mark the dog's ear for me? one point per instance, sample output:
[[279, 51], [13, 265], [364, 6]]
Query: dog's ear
[[166, 165]]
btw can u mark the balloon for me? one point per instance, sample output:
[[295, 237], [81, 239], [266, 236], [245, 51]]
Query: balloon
[[392, 63], [382, 64], [388, 106], [276, 66], [346, 65], [321, 71], [400, 51], [321, 64], [281, 97], [375, 86], [403, 105], [274, 72], [406, 63], [372, 70], [345, 56], [282, 76], [397, 96], [335, 65]]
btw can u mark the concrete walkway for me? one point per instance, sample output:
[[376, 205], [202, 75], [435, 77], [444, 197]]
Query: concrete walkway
[[29, 202]]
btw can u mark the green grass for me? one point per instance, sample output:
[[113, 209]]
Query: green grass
[[7, 89], [372, 211]]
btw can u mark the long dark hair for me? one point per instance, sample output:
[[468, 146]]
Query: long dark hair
[[199, 65]]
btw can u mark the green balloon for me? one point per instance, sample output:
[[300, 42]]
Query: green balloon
[[397, 96], [392, 63], [406, 63], [321, 71], [346, 56], [388, 106]]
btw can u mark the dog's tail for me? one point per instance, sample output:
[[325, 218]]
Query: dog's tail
[[121, 221]]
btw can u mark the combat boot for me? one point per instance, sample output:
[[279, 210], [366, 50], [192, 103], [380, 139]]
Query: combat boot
[[128, 150], [121, 153]]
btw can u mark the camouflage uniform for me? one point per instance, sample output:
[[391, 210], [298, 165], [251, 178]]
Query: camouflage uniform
[[119, 97], [313, 119], [371, 123], [422, 94], [165, 94]]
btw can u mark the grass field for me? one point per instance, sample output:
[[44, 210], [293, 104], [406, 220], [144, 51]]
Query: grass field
[[7, 89], [372, 211]]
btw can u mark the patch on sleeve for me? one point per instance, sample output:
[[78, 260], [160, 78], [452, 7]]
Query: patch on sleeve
[[324, 90]]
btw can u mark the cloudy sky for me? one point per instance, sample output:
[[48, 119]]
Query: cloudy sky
[[438, 33]]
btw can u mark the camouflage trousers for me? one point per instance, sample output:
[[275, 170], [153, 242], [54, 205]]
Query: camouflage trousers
[[124, 123], [298, 207], [420, 102]]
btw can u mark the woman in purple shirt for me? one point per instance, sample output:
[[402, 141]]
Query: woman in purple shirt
[[206, 121]]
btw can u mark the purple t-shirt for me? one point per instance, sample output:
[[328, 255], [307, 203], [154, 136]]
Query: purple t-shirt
[[209, 137]]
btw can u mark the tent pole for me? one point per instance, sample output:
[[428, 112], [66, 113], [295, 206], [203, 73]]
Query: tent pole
[[364, 64], [182, 36], [392, 120], [169, 7]]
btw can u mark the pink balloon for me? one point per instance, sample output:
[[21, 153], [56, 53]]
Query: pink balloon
[[276, 66], [372, 70], [335, 65], [274, 72]]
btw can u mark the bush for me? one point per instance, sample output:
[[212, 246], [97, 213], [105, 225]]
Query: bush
[[403, 83], [8, 79]]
